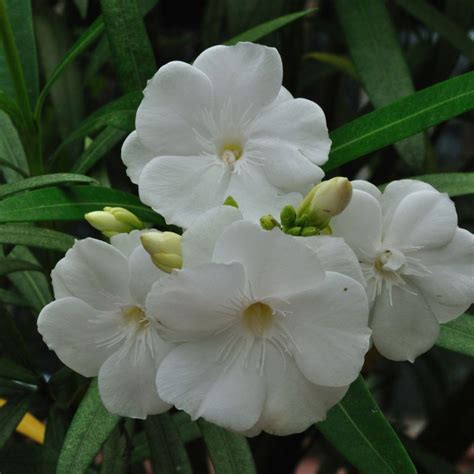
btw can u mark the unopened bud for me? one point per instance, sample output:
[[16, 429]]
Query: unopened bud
[[309, 232], [114, 220], [230, 201], [268, 222], [288, 216], [164, 249], [294, 231]]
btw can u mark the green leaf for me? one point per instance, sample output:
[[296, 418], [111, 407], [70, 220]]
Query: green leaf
[[357, 429], [401, 119], [11, 149], [455, 184], [440, 23], [268, 27], [56, 429], [167, 450], [115, 454], [372, 39], [35, 237], [69, 204], [33, 285], [90, 427], [12, 371], [10, 416], [132, 54], [340, 62], [101, 145], [84, 41], [10, 107], [229, 452], [9, 297], [10, 265], [21, 21], [42, 182], [458, 335]]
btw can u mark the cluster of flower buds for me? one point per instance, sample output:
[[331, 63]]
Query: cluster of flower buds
[[114, 220]]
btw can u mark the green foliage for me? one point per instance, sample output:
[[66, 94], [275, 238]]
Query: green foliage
[[11, 414], [458, 335], [35, 237]]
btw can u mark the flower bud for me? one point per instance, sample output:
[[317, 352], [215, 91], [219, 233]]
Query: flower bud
[[268, 222], [164, 249], [294, 231], [309, 231], [114, 220], [288, 216], [326, 200]]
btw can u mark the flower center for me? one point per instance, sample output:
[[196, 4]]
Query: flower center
[[389, 260], [257, 317], [135, 315], [230, 153]]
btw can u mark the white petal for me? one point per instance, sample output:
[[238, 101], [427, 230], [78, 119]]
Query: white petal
[[404, 329], [172, 110], [335, 256], [135, 156], [276, 264], [422, 219], [199, 239], [143, 274], [284, 165], [231, 396], [329, 325], [255, 195], [128, 242], [182, 188], [360, 224], [127, 378], [367, 187], [247, 75], [197, 301], [449, 288], [76, 332], [293, 403], [299, 123], [282, 96], [95, 272]]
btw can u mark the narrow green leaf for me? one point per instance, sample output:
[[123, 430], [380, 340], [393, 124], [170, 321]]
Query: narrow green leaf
[[357, 429], [372, 39], [132, 54], [101, 145], [458, 335], [9, 297], [10, 416], [90, 427], [455, 184], [5, 164], [10, 265], [440, 23], [115, 454], [35, 237], [167, 450], [42, 182], [11, 149], [56, 429], [401, 119], [340, 62], [69, 204], [34, 286], [10, 107], [229, 452], [268, 27], [12, 371]]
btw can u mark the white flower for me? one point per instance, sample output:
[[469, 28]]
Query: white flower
[[269, 339], [418, 264], [99, 324], [224, 126]]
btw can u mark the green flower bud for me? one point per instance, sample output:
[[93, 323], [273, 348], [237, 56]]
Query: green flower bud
[[114, 220], [268, 222], [230, 201], [288, 216], [294, 231], [164, 249], [309, 231]]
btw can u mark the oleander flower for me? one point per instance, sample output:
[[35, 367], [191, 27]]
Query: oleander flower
[[221, 127], [418, 264], [99, 324], [269, 340]]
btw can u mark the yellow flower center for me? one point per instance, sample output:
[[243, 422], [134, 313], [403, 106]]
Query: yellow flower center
[[257, 317], [135, 315], [231, 152]]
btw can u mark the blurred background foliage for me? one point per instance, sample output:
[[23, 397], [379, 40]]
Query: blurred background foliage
[[349, 56]]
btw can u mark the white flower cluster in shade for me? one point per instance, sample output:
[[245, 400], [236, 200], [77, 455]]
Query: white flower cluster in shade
[[257, 330]]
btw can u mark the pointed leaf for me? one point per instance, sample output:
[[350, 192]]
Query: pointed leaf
[[35, 237], [10, 416], [458, 335], [455, 184], [11, 149]]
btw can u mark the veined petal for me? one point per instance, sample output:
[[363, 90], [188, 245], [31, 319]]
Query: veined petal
[[127, 378], [276, 264], [199, 239], [135, 155], [181, 188], [170, 117], [95, 272], [405, 327], [329, 325], [81, 336], [229, 394], [360, 224], [247, 75], [195, 302], [422, 219], [299, 123]]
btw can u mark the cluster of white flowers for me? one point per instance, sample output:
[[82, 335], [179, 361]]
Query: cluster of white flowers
[[248, 321]]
